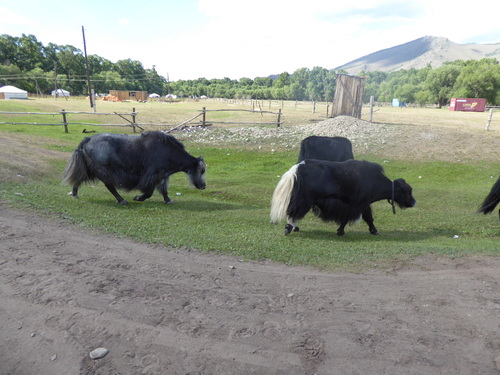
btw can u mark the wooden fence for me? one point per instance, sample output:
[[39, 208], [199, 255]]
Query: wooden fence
[[131, 118]]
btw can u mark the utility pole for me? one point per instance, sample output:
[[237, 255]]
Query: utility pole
[[55, 80], [87, 70]]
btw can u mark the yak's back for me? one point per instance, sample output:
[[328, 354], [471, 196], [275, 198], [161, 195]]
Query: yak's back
[[362, 168], [326, 148], [129, 150]]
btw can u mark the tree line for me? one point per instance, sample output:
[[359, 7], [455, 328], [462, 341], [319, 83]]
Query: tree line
[[28, 64]]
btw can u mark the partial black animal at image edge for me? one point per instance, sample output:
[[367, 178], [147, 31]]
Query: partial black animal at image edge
[[491, 200]]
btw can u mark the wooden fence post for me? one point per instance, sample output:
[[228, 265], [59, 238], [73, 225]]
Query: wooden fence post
[[204, 117], [279, 118], [133, 120], [65, 123], [371, 108], [490, 116]]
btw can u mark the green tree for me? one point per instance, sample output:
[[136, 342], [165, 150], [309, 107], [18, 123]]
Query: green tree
[[282, 81], [440, 83], [133, 72], [479, 79], [8, 50], [30, 53]]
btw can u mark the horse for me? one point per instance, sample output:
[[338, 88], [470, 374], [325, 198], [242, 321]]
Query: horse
[[325, 148], [336, 191], [491, 200], [132, 162]]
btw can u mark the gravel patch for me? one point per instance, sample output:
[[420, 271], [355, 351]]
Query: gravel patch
[[388, 141], [361, 133]]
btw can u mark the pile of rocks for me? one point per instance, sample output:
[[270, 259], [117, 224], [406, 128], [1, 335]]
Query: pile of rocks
[[361, 133]]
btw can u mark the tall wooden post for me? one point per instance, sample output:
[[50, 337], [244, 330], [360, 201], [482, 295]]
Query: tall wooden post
[[87, 68], [371, 108], [204, 117], [133, 120], [279, 119], [490, 116], [65, 123]]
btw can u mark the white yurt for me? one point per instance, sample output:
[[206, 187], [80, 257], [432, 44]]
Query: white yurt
[[60, 92], [12, 92], [153, 95]]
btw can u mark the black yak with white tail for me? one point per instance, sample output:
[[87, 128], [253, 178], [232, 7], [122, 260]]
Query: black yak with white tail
[[132, 162], [325, 148], [336, 191], [491, 200]]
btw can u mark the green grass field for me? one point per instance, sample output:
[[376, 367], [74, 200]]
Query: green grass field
[[232, 215]]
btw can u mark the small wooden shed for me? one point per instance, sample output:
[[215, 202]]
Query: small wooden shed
[[348, 99], [140, 96]]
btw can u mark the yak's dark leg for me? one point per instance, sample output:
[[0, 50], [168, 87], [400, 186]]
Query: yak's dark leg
[[74, 192], [341, 229], [295, 214], [291, 226], [368, 218], [118, 197], [146, 194], [163, 189]]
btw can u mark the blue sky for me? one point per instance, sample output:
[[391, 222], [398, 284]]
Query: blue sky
[[189, 39]]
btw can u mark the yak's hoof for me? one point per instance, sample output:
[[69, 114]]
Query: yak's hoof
[[374, 233], [123, 202], [341, 234], [288, 229], [170, 201]]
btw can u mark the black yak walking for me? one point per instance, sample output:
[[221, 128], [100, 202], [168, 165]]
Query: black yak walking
[[336, 191], [132, 162]]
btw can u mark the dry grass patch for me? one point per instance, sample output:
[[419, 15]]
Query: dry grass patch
[[23, 155]]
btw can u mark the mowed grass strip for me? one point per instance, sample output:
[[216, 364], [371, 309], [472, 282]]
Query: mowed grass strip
[[232, 215]]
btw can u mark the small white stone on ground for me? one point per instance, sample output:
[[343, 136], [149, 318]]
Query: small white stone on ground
[[98, 353]]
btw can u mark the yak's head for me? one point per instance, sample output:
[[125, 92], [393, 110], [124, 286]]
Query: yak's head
[[402, 194], [196, 174]]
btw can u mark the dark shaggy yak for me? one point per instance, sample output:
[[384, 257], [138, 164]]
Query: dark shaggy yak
[[491, 200], [336, 191], [132, 162], [325, 148]]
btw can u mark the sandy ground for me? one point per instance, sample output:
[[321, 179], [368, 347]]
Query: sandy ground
[[65, 292]]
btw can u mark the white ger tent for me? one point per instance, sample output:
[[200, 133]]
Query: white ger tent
[[60, 92], [12, 92]]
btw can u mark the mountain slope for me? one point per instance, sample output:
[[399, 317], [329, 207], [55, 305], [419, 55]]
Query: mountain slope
[[420, 52]]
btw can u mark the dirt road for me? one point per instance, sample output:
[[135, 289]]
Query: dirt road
[[65, 292]]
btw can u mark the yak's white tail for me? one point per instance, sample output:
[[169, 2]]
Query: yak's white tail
[[282, 195]]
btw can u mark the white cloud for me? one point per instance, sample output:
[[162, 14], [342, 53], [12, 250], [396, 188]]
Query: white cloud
[[9, 17]]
